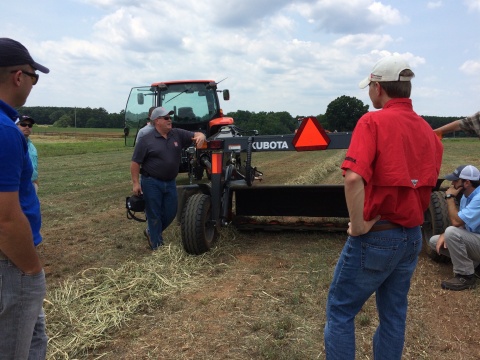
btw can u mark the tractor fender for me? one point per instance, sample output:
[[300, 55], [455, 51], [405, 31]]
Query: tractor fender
[[185, 191]]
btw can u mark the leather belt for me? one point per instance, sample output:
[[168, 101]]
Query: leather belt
[[385, 226], [2, 256]]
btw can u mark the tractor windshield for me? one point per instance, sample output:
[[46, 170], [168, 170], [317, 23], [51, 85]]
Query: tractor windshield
[[194, 105]]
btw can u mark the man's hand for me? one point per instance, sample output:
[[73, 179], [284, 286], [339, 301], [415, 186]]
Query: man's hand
[[360, 230], [137, 189], [441, 243], [199, 138]]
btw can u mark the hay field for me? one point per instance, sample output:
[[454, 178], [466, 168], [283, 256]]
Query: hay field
[[255, 296]]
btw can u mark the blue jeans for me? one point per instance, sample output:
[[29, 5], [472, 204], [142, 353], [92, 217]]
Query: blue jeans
[[22, 320], [160, 206], [380, 262]]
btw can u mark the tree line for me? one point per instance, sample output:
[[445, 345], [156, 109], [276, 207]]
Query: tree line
[[341, 115], [74, 117]]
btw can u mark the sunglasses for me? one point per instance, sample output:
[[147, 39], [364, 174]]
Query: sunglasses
[[164, 117], [33, 76], [22, 124]]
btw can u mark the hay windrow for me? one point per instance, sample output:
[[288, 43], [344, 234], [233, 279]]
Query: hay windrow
[[84, 311], [317, 173]]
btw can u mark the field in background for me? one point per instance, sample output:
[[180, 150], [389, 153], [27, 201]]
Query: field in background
[[257, 295]]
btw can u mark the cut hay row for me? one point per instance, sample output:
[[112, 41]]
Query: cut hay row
[[319, 172], [85, 311]]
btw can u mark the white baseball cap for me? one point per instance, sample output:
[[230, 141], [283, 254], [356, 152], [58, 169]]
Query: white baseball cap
[[465, 172], [387, 69]]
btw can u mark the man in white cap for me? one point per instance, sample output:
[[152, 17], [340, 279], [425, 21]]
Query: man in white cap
[[157, 158], [390, 169], [22, 321], [461, 241]]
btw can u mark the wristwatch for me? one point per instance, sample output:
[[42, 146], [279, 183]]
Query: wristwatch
[[448, 196]]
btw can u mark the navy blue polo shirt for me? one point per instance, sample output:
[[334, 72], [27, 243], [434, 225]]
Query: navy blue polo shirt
[[159, 156]]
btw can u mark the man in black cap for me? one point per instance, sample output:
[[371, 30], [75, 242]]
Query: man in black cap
[[22, 320], [461, 241], [25, 124]]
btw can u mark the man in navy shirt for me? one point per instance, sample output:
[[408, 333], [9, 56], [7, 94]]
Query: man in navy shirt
[[157, 158]]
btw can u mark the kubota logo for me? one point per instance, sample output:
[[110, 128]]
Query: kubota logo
[[270, 145]]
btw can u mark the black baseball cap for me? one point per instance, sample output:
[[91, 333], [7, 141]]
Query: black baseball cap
[[13, 53]]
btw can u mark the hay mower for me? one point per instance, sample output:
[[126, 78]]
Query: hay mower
[[232, 196]]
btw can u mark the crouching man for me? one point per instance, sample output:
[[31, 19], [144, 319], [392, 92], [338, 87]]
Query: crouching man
[[461, 241]]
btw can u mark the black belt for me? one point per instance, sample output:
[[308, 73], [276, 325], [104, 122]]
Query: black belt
[[146, 174], [385, 226]]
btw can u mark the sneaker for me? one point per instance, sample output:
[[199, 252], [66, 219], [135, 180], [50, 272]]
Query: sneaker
[[477, 271], [459, 282], [150, 245]]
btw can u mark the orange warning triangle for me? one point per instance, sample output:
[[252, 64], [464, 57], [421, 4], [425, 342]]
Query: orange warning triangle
[[310, 136]]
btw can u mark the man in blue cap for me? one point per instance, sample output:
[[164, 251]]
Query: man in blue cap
[[22, 320], [461, 241]]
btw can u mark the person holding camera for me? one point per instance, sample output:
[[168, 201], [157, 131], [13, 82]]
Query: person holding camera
[[156, 157]]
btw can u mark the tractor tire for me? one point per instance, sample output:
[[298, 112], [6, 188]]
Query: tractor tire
[[435, 222], [198, 231]]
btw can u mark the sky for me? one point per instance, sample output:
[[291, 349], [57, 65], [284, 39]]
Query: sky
[[276, 55]]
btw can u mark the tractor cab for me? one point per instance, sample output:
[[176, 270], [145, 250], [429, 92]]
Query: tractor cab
[[195, 105]]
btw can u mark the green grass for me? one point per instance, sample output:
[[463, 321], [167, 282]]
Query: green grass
[[41, 129], [47, 148]]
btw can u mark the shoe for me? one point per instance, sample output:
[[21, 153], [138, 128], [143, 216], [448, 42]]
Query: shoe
[[477, 271], [459, 282], [150, 245]]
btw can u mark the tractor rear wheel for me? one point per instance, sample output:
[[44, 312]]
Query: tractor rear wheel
[[198, 229], [435, 222]]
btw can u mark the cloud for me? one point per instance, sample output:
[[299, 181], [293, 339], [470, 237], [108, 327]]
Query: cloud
[[473, 5], [434, 4], [471, 67], [350, 16], [364, 41]]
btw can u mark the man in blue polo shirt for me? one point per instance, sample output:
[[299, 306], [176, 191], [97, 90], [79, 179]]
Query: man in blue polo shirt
[[22, 286]]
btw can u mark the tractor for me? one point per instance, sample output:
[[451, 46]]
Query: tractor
[[230, 196]]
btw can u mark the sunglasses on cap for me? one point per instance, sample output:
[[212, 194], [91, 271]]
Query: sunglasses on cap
[[24, 124]]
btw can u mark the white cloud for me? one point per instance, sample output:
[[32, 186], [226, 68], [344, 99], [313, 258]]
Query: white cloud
[[350, 16], [471, 67], [473, 5], [364, 41], [434, 4]]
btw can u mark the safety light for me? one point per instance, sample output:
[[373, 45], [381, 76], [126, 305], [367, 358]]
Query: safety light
[[215, 144]]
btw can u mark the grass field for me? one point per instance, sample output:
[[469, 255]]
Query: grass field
[[256, 295]]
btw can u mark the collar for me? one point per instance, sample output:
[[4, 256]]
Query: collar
[[473, 194], [8, 110], [404, 102]]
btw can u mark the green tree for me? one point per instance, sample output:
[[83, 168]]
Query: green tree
[[64, 121], [343, 113]]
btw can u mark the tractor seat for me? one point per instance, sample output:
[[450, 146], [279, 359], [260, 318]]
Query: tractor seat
[[186, 114]]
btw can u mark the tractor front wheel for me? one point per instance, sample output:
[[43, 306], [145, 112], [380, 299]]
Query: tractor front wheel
[[198, 229]]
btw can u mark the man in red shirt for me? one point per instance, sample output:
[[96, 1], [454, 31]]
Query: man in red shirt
[[390, 168]]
